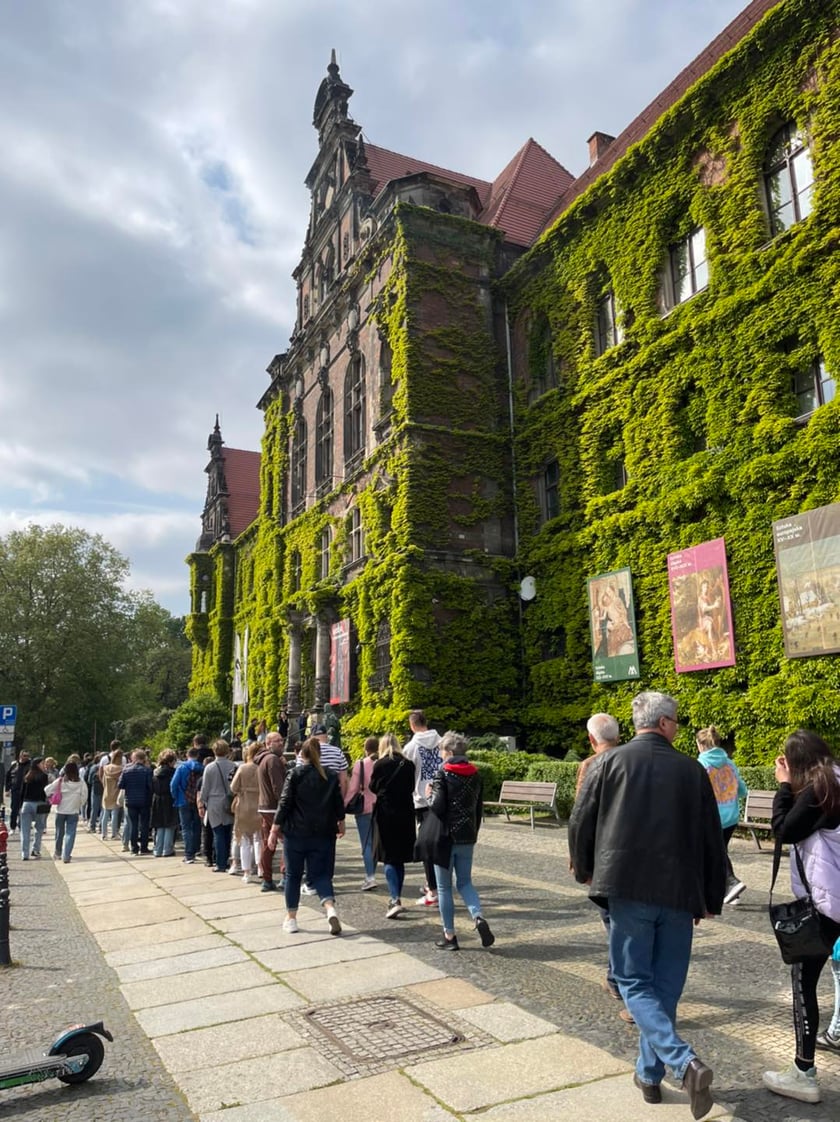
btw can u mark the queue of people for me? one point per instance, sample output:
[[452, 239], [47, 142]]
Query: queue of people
[[656, 867]]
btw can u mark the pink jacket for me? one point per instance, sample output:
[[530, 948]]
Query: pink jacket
[[367, 763]]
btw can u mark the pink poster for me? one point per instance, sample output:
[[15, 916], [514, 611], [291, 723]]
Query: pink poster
[[340, 662], [701, 614]]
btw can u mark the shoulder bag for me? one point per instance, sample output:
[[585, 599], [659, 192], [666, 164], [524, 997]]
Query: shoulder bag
[[357, 804], [797, 925], [55, 798], [228, 806]]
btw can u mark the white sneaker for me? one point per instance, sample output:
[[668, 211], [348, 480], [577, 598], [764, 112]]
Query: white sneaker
[[290, 925], [794, 1084], [395, 909], [234, 870], [308, 890], [368, 883], [246, 878], [333, 921], [733, 891]]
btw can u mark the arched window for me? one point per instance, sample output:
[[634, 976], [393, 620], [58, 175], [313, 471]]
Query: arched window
[[788, 178], [324, 440], [354, 408], [299, 467], [324, 548]]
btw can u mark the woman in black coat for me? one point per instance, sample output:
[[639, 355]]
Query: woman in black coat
[[392, 781], [164, 814]]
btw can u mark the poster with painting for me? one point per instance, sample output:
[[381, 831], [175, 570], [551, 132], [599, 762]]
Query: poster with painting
[[808, 569], [340, 662], [701, 614], [612, 621]]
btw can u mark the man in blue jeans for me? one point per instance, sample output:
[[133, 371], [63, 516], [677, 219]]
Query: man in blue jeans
[[136, 781], [645, 836], [184, 789]]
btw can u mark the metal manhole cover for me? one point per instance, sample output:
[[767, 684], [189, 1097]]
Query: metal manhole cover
[[372, 1029]]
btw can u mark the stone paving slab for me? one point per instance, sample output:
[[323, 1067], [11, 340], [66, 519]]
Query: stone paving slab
[[238, 904], [152, 933], [270, 936], [379, 1097], [513, 1071], [236, 1040], [320, 952], [221, 1085], [118, 917], [142, 889], [250, 921], [150, 952], [182, 1016], [450, 993], [169, 965], [507, 1022], [388, 971], [199, 983], [613, 1099]]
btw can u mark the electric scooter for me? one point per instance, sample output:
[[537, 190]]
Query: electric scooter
[[73, 1057]]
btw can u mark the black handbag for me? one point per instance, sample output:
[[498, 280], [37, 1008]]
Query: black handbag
[[357, 804], [797, 925]]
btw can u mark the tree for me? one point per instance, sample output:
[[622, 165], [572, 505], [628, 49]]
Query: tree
[[78, 651]]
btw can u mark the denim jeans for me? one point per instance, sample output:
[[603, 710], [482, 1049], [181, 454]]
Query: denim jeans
[[111, 816], [605, 919], [27, 818], [461, 863], [363, 825], [65, 834], [138, 827], [95, 812], [395, 876], [318, 855], [164, 841], [650, 947], [221, 843], [190, 829]]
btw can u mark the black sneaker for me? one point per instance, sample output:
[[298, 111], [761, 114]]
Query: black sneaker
[[444, 944], [268, 886], [483, 928]]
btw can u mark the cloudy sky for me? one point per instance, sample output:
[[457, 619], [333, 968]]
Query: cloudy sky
[[153, 207]]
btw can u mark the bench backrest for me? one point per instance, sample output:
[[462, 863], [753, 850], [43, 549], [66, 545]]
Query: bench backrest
[[759, 804], [514, 790]]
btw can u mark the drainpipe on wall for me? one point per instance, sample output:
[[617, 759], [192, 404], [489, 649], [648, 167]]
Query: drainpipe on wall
[[514, 496]]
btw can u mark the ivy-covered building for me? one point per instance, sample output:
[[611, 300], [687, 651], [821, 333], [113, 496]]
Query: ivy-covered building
[[550, 377]]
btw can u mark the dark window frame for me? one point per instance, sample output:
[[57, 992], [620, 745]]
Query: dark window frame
[[550, 505], [686, 273], [355, 402], [298, 467], [812, 382], [324, 433], [324, 552], [609, 331], [355, 536], [787, 152]]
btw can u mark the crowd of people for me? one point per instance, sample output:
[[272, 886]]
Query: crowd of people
[[648, 835]]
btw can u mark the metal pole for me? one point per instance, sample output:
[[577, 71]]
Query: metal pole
[[5, 951]]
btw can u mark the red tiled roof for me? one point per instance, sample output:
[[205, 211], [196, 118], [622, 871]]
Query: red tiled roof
[[516, 202], [242, 475], [385, 165], [523, 193], [729, 38]]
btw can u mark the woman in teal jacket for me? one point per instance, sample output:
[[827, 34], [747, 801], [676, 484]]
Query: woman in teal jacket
[[728, 787]]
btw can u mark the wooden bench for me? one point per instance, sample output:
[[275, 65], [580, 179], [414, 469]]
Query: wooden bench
[[515, 793], [758, 813]]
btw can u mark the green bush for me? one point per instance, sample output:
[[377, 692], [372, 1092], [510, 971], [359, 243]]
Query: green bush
[[759, 777], [546, 770], [203, 713]]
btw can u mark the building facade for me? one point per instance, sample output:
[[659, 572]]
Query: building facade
[[549, 378]]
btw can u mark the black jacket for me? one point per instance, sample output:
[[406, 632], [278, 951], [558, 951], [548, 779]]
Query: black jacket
[[646, 827], [309, 805], [164, 814], [392, 781], [457, 799]]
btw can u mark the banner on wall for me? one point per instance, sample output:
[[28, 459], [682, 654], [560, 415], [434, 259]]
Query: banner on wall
[[612, 622], [701, 613], [340, 662], [808, 568]]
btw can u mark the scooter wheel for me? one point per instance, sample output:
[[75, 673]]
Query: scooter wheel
[[95, 1049]]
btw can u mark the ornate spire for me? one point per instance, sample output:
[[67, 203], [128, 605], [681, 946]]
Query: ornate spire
[[215, 442], [332, 99]]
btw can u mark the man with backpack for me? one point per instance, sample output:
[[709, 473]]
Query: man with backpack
[[184, 788]]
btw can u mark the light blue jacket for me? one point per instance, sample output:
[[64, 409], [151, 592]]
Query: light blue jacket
[[727, 784]]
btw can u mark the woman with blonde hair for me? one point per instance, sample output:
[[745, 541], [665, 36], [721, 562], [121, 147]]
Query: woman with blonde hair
[[247, 824], [309, 818], [110, 776], [392, 781]]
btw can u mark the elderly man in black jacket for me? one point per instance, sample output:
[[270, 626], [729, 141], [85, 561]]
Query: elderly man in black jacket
[[645, 836]]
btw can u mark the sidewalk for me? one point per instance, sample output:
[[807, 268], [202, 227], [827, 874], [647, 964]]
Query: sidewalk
[[256, 1026]]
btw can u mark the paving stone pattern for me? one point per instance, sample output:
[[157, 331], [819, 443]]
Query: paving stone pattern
[[60, 978]]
